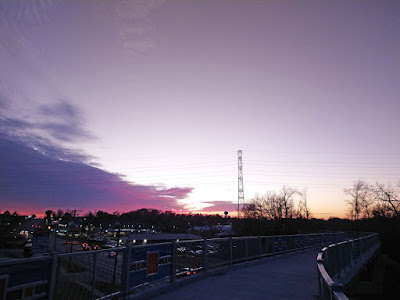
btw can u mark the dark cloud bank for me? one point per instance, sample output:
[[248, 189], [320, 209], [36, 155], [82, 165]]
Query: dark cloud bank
[[31, 180], [38, 174]]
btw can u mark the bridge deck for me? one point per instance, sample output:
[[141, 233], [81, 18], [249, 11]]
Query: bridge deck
[[289, 276]]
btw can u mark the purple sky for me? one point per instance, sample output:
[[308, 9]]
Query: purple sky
[[119, 105]]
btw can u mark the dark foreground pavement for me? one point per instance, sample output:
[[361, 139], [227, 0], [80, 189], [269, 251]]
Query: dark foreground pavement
[[289, 276]]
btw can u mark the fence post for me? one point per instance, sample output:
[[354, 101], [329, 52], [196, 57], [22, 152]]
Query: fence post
[[115, 266], [93, 277], [259, 247], [247, 247], [231, 250], [205, 254], [273, 245], [320, 280], [335, 287], [286, 243], [190, 257], [173, 275], [351, 253], [320, 287], [52, 288], [127, 264]]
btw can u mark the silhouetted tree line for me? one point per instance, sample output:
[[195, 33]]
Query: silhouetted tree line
[[165, 221], [9, 234], [366, 200], [371, 208], [288, 203]]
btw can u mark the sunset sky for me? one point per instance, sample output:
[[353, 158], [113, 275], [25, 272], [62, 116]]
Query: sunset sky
[[120, 105]]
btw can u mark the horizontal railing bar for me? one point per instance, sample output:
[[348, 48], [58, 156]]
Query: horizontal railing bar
[[92, 252], [190, 241], [26, 260], [27, 285], [149, 245]]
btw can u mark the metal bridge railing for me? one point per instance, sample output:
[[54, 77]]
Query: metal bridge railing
[[119, 273], [339, 262]]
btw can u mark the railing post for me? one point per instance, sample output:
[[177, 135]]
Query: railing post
[[259, 247], [335, 287], [286, 243], [173, 275], [127, 264], [52, 288], [205, 254], [320, 280], [352, 253], [230, 251], [321, 287], [93, 277], [115, 267], [273, 245], [190, 257], [247, 249]]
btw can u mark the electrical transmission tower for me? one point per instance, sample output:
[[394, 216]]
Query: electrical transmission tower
[[240, 182]]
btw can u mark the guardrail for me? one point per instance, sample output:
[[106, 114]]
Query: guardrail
[[338, 263], [119, 273]]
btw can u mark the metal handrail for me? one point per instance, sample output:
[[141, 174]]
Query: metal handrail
[[207, 255], [332, 260]]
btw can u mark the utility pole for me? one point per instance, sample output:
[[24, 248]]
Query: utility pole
[[240, 182]]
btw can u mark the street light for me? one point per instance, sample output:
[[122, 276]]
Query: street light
[[117, 225], [71, 227]]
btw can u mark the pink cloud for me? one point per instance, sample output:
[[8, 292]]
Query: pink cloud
[[220, 207]]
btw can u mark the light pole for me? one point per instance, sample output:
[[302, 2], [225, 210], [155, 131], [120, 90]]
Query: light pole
[[117, 225], [71, 227]]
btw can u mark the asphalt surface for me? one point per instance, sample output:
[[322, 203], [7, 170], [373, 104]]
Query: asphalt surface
[[289, 276]]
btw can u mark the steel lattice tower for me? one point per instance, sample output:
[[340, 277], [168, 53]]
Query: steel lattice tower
[[240, 182]]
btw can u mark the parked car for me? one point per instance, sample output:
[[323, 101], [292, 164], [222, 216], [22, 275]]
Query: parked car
[[180, 250], [186, 272], [96, 247], [196, 253]]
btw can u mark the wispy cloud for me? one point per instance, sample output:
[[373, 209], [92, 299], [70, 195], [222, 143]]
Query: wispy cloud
[[17, 17], [45, 126], [134, 30], [63, 121]]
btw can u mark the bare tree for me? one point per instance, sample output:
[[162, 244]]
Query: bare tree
[[368, 204], [381, 209], [287, 195], [359, 196], [388, 198], [273, 205], [277, 206], [255, 208], [303, 203]]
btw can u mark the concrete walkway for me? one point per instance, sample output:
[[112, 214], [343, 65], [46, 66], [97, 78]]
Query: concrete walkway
[[289, 276]]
